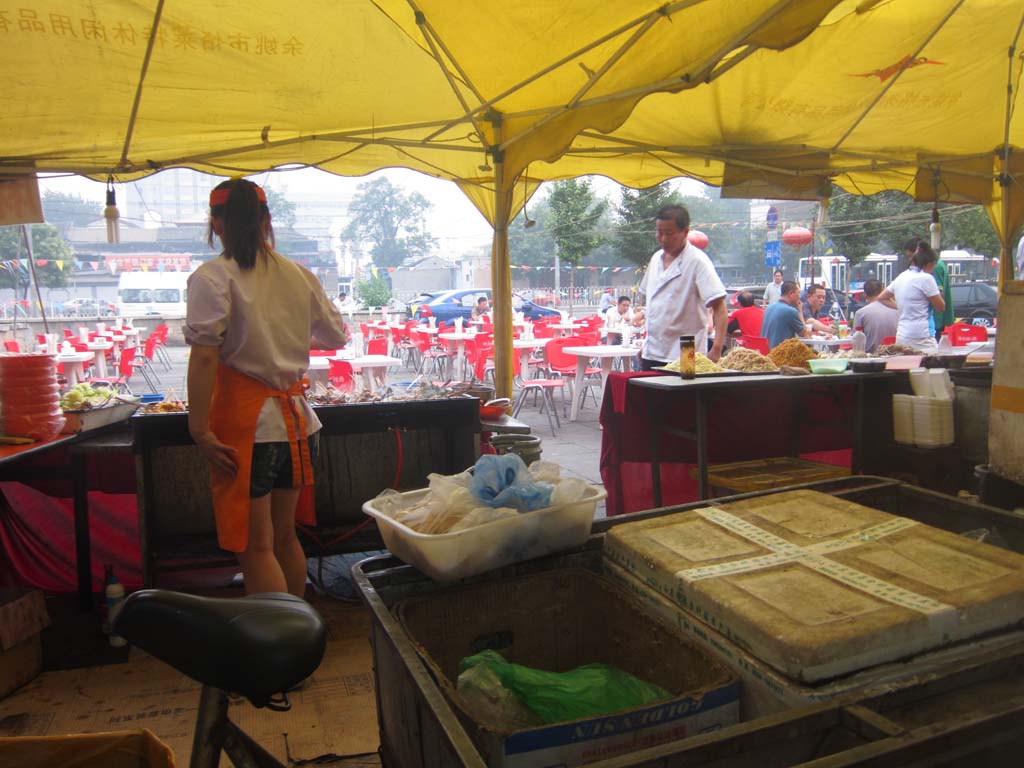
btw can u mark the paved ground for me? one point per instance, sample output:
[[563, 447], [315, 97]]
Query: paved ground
[[576, 447]]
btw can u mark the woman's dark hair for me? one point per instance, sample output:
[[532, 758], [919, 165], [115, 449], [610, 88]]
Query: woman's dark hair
[[246, 231], [923, 255]]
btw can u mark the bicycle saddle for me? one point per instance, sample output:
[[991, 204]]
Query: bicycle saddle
[[256, 646]]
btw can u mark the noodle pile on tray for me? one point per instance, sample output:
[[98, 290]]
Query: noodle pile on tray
[[742, 359], [792, 352], [701, 364]]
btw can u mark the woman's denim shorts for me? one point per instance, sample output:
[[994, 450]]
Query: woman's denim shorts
[[272, 465]]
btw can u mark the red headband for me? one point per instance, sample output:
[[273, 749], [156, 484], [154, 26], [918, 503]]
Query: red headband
[[220, 196]]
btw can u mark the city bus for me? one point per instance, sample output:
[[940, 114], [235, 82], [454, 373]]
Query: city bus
[[963, 267], [151, 293], [830, 271]]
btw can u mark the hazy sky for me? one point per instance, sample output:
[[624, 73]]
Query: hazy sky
[[453, 220]]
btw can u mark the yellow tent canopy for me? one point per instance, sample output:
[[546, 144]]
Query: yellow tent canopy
[[764, 97]]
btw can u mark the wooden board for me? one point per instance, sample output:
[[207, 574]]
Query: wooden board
[[818, 587]]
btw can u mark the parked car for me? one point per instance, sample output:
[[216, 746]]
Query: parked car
[[422, 298], [459, 303], [88, 308], [732, 296], [975, 303]]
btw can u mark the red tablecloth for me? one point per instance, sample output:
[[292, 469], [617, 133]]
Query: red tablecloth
[[741, 427]]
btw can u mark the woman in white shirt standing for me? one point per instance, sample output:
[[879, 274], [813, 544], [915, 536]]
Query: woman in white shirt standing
[[914, 293], [251, 320]]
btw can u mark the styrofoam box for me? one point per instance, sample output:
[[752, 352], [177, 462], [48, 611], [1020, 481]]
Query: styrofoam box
[[765, 691], [451, 556], [818, 587]]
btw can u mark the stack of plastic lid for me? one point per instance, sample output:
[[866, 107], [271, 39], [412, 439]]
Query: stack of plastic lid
[[933, 422], [30, 397], [903, 419]]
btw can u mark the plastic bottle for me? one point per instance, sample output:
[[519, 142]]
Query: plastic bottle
[[114, 593], [687, 357]]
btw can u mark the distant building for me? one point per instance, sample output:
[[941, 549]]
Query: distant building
[[427, 274]]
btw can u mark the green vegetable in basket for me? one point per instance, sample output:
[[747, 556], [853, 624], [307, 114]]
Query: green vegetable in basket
[[587, 691]]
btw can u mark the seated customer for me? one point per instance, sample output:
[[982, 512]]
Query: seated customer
[[876, 320], [617, 316], [782, 319], [748, 318], [813, 310], [482, 308]]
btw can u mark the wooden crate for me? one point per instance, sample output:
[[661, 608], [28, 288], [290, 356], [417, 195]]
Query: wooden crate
[[765, 474]]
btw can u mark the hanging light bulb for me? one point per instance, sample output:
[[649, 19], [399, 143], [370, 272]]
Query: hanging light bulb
[[527, 221], [935, 228], [111, 214]]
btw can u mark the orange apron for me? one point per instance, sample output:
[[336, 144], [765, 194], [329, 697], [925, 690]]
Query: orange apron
[[234, 412]]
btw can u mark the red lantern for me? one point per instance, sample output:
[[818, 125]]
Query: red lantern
[[797, 236], [698, 239]]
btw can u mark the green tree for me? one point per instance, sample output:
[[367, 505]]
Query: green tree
[[533, 247], [634, 226], [66, 211], [575, 223], [392, 221], [374, 292], [48, 247], [282, 210]]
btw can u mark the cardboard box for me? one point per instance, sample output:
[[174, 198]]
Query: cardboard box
[[559, 620], [123, 749], [819, 587], [22, 617], [767, 692]]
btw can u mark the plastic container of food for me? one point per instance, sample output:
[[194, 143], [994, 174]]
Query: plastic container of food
[[867, 364], [829, 364], [451, 556]]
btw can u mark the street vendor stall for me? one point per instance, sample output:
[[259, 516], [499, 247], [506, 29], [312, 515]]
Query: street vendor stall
[[961, 700]]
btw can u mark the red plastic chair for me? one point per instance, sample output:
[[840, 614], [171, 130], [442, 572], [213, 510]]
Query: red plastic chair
[[377, 346], [890, 340], [68, 334], [758, 343], [340, 375], [323, 352], [561, 363], [437, 357], [545, 388], [125, 369], [12, 346]]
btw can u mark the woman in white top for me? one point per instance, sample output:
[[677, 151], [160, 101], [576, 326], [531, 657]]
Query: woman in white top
[[914, 293], [252, 318]]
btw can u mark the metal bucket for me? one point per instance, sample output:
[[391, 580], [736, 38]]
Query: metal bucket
[[528, 447]]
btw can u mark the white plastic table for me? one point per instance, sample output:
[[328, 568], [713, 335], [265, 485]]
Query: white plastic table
[[371, 366], [607, 354], [460, 339], [561, 328], [821, 343], [525, 347], [99, 348], [74, 365]]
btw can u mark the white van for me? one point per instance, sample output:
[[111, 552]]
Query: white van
[[151, 293]]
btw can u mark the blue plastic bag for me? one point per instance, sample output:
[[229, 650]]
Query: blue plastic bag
[[505, 481]]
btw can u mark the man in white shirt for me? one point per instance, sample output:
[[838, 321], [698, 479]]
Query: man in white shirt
[[681, 285], [773, 292]]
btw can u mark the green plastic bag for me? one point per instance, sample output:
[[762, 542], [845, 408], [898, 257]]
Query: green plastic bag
[[587, 691]]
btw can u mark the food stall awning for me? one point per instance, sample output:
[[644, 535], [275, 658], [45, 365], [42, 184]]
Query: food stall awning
[[765, 97]]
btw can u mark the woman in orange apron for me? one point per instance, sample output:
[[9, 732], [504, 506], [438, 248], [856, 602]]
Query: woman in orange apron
[[252, 318]]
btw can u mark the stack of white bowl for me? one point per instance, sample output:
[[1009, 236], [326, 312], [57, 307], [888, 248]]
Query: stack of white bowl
[[925, 419]]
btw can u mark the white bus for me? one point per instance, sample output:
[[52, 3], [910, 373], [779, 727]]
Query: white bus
[[151, 293], [828, 270]]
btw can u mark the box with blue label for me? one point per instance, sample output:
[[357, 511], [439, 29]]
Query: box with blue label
[[557, 621]]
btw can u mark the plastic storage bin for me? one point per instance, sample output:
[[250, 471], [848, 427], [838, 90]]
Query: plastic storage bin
[[451, 556]]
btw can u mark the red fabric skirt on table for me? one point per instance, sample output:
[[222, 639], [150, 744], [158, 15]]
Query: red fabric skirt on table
[[741, 428]]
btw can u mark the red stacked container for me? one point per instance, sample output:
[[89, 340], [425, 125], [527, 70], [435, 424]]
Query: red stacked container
[[30, 397]]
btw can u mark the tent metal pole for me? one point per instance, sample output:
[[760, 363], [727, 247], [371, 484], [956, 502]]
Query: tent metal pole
[[501, 271], [35, 278]]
